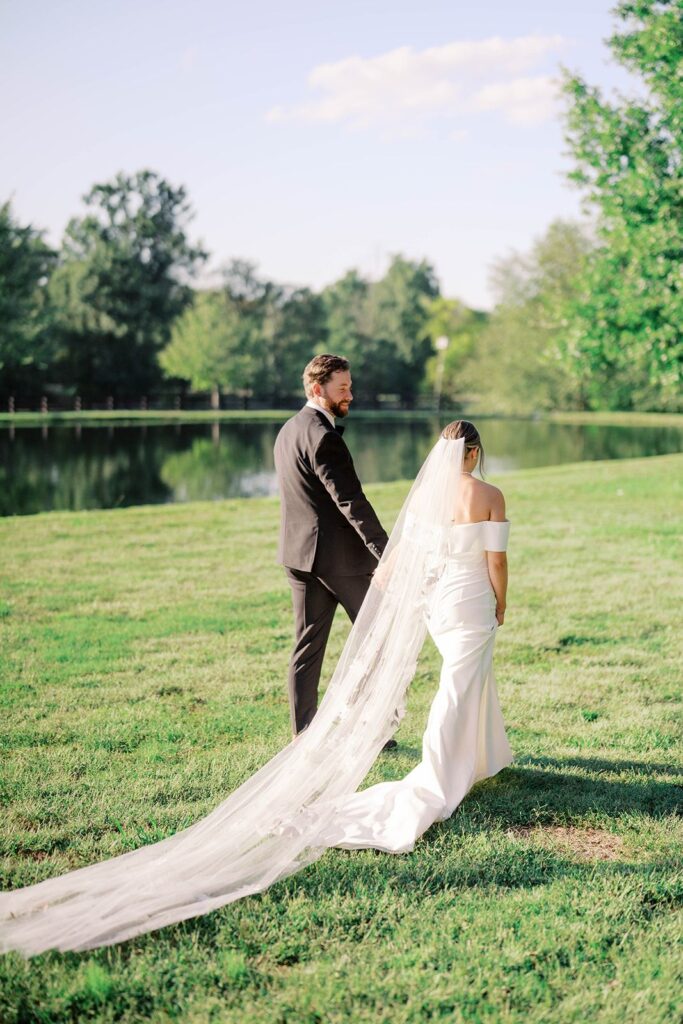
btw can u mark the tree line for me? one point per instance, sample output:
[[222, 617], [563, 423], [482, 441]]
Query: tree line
[[113, 314], [589, 318]]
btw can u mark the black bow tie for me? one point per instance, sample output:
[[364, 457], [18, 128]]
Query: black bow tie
[[340, 430]]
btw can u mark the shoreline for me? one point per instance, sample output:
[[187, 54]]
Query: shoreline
[[379, 491], [169, 416]]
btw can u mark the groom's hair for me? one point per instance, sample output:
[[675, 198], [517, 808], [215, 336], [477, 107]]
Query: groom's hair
[[321, 368]]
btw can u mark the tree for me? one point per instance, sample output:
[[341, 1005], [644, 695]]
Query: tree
[[124, 279], [347, 319], [295, 328], [451, 319], [398, 325], [250, 305], [26, 262], [520, 364], [624, 331], [380, 328], [252, 337], [344, 303], [203, 347]]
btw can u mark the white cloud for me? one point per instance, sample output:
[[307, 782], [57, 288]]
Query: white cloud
[[521, 100], [404, 86]]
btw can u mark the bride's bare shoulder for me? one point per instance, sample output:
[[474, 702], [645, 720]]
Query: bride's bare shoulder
[[491, 498]]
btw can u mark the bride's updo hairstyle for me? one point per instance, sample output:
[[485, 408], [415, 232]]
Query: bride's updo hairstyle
[[463, 428]]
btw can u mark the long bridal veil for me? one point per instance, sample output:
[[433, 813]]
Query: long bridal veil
[[269, 827]]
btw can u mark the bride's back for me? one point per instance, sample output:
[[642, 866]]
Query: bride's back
[[478, 501]]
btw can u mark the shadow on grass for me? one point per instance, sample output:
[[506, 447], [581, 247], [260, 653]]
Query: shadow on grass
[[600, 764], [545, 790], [451, 856], [542, 795], [349, 891]]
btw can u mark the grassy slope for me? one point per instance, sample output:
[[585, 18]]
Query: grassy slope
[[143, 662]]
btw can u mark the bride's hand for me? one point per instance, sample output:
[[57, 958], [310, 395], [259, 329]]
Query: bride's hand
[[500, 615], [380, 576]]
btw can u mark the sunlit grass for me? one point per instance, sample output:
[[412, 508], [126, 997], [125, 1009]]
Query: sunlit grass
[[144, 656]]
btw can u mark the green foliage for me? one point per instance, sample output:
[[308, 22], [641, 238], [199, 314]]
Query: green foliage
[[210, 347], [123, 280], [143, 677], [520, 363], [398, 308], [451, 319], [624, 337], [293, 328], [25, 266], [347, 319], [252, 337], [381, 327]]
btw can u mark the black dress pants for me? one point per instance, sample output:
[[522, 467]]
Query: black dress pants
[[315, 600]]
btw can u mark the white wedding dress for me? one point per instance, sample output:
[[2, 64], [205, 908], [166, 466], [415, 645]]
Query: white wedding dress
[[465, 739], [433, 575]]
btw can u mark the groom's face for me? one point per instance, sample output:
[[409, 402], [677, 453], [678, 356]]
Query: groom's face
[[337, 392]]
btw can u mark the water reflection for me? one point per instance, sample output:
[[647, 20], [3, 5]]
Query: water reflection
[[231, 464], [83, 466]]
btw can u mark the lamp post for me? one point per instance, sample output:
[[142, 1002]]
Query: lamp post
[[441, 346]]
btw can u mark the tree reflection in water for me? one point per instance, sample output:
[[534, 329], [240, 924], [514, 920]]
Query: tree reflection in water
[[84, 466], [231, 464]]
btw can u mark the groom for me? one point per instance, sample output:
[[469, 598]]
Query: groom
[[330, 536]]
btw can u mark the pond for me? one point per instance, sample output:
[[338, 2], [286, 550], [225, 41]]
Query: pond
[[83, 466]]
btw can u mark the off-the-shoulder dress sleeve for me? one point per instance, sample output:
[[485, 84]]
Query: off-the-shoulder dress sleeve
[[496, 535]]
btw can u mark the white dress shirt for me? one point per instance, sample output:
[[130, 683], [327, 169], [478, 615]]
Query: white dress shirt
[[314, 405]]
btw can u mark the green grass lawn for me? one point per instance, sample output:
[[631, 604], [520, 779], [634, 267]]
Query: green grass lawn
[[143, 665]]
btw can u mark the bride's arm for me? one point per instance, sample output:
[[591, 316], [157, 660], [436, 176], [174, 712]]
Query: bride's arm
[[497, 561], [498, 574]]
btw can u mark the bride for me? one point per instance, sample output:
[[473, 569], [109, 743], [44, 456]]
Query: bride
[[444, 569]]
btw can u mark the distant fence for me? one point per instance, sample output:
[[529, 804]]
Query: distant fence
[[50, 403]]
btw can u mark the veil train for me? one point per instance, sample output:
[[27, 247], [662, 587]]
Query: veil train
[[273, 824]]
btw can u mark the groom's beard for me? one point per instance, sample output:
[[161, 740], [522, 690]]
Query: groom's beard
[[338, 408]]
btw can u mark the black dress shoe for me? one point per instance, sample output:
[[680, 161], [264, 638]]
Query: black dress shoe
[[390, 745]]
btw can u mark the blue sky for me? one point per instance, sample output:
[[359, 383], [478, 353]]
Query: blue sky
[[312, 136]]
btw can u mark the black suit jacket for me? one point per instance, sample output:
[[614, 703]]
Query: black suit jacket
[[327, 524]]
